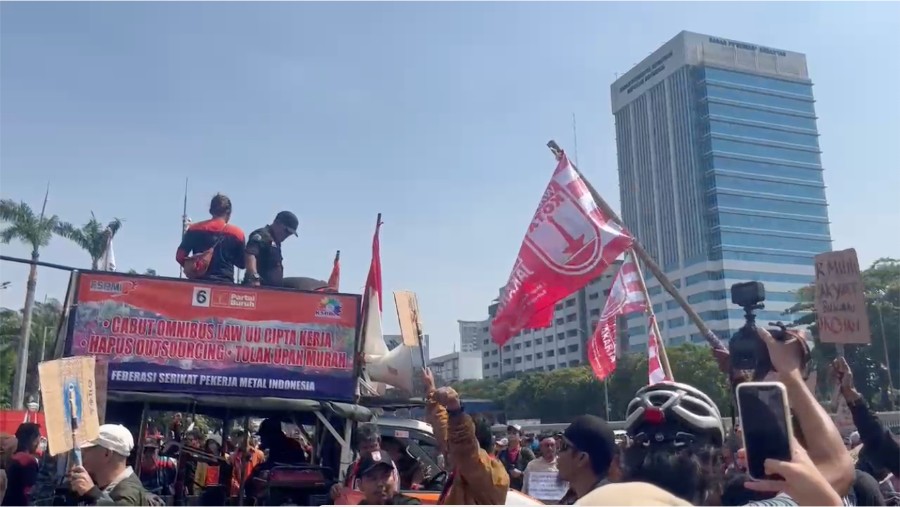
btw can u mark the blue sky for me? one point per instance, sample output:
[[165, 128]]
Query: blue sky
[[435, 115]]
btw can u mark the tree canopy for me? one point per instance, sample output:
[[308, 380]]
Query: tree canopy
[[561, 395], [92, 237]]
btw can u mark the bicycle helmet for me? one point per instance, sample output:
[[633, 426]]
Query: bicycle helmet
[[673, 414]]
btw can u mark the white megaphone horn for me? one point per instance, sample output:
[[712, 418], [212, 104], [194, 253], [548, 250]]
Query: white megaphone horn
[[394, 368]]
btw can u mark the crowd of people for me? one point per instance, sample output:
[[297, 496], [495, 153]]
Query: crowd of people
[[675, 451]]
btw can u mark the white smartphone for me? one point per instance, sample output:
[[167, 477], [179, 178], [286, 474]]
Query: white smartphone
[[766, 424]]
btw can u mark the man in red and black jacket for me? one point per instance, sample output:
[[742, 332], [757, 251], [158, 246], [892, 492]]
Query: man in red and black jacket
[[226, 240], [22, 471]]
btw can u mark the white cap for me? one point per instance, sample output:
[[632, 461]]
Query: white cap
[[503, 442], [113, 437]]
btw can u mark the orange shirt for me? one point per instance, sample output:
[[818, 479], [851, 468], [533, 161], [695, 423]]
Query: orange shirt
[[245, 462]]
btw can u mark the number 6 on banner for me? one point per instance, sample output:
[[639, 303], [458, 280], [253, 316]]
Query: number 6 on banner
[[201, 296]]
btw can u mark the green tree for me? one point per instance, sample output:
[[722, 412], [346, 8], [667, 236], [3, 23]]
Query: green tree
[[92, 237], [563, 394], [45, 324], [148, 272], [24, 225], [870, 362]]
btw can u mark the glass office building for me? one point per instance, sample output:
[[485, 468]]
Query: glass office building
[[720, 176]]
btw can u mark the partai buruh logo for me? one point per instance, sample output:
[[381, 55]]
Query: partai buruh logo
[[329, 308]]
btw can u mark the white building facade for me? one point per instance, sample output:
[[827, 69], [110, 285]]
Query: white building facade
[[456, 366], [472, 334]]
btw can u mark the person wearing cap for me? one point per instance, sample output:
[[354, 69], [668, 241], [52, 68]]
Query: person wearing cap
[[515, 457], [157, 473], [586, 454], [22, 469], [378, 482], [103, 477], [263, 252]]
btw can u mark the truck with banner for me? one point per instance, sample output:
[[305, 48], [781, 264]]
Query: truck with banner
[[227, 352]]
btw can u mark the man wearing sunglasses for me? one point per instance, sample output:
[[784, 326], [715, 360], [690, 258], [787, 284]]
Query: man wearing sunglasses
[[586, 453], [263, 253]]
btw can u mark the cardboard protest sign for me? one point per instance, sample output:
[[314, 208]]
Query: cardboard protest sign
[[546, 486], [101, 378], [408, 312], [68, 387], [840, 300]]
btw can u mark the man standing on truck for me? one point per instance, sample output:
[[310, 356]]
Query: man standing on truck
[[263, 252], [211, 249]]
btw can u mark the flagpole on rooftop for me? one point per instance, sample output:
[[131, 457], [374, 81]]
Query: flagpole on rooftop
[[184, 221], [719, 349]]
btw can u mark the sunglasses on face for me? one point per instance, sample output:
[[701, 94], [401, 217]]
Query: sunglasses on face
[[565, 445]]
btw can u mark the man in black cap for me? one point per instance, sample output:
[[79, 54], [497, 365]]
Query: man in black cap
[[587, 451], [377, 482], [263, 252]]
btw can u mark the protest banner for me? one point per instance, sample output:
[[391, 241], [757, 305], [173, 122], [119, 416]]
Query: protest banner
[[168, 335], [840, 299], [546, 486], [70, 402]]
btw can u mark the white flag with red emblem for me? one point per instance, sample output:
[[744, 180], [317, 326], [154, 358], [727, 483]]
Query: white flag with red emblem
[[656, 372], [625, 296], [568, 243]]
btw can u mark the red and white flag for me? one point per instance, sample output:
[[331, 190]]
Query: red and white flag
[[373, 339], [656, 372], [625, 296], [568, 243], [334, 280]]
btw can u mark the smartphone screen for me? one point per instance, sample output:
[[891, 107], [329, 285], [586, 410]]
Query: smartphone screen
[[765, 424]]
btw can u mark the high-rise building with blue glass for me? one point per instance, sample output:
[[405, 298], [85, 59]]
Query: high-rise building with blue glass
[[720, 177]]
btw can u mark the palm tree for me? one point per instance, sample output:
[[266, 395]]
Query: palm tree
[[33, 230], [93, 236]]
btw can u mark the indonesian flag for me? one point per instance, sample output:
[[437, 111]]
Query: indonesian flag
[[625, 296], [373, 344], [656, 372], [568, 243], [334, 280]]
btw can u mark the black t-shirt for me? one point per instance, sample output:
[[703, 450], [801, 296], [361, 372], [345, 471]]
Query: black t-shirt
[[227, 241], [267, 251]]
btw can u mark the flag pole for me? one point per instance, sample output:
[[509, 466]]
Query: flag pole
[[659, 339], [719, 349], [184, 219], [363, 329]]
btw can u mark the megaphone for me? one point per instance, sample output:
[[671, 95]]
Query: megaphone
[[394, 368]]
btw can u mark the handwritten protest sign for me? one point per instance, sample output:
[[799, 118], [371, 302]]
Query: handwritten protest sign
[[546, 486], [840, 301], [70, 402]]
